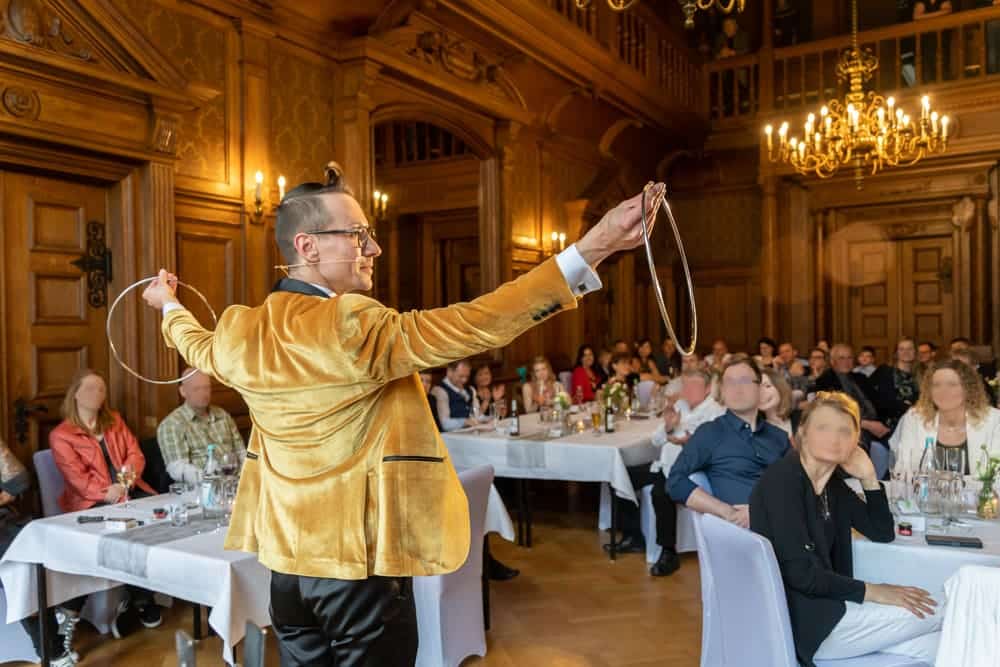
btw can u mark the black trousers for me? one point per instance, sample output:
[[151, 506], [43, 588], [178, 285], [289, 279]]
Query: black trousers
[[663, 504], [338, 623]]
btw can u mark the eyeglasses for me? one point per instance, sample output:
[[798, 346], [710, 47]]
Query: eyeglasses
[[361, 235]]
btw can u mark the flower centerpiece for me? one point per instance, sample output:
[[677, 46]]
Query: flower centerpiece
[[988, 503], [616, 392], [563, 401]]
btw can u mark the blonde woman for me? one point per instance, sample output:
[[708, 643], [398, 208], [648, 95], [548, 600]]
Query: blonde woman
[[543, 388], [776, 399], [952, 412], [800, 500]]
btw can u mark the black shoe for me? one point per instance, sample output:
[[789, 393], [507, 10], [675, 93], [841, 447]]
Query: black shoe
[[126, 620], [628, 545], [497, 571], [667, 564], [151, 616]]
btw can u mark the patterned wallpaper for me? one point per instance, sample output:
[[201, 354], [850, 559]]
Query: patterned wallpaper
[[718, 229], [301, 117], [198, 50]]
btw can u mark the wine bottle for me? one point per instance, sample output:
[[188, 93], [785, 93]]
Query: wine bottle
[[609, 417], [515, 419]]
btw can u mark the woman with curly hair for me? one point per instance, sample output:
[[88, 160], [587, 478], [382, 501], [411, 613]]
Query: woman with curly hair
[[953, 410]]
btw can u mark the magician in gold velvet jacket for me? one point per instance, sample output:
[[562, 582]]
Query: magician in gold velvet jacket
[[346, 476]]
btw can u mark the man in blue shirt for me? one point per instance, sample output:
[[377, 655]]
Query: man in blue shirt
[[733, 450]]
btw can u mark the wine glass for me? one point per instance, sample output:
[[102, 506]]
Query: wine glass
[[229, 463], [126, 477]]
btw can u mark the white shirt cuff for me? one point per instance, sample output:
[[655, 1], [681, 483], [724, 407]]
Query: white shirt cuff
[[582, 279], [172, 305]]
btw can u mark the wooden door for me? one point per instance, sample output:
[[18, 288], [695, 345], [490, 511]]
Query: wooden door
[[873, 296], [51, 328], [928, 289]]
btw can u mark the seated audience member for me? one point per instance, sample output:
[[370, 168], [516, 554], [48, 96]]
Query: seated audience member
[[866, 361], [987, 371], [802, 500], [185, 434], [968, 358], [621, 371], [732, 40], [818, 363], [841, 377], [689, 362], [788, 354], [824, 345], [15, 480], [954, 412], [694, 408], [454, 398], [767, 349], [896, 387], [89, 447], [798, 380], [719, 356], [604, 364], [926, 353], [732, 450], [587, 376], [776, 400], [427, 381], [668, 359], [489, 397], [621, 347], [648, 368], [543, 388]]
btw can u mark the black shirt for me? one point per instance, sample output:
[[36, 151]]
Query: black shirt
[[814, 555]]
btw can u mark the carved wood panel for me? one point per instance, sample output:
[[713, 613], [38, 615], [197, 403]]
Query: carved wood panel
[[51, 330], [873, 284], [928, 289]]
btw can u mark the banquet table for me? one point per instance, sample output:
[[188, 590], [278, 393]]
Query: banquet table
[[57, 559], [578, 457]]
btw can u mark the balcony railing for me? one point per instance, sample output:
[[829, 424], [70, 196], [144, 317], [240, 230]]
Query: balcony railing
[[641, 40], [956, 48]]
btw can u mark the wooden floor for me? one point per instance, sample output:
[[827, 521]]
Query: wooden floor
[[571, 607]]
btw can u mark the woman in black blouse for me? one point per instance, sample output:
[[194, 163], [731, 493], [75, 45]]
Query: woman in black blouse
[[804, 507]]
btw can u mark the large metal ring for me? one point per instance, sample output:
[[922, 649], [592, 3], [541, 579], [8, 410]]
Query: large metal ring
[[660, 201], [114, 350]]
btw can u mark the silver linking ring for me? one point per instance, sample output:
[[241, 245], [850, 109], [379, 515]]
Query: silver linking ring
[[660, 201], [114, 350]]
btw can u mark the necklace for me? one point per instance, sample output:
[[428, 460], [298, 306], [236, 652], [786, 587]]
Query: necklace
[[824, 505]]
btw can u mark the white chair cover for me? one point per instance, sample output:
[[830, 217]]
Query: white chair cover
[[970, 636], [740, 581], [450, 606], [566, 380], [645, 391], [686, 540], [15, 644], [100, 607]]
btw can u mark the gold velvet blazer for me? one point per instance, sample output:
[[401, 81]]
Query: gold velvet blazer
[[346, 476]]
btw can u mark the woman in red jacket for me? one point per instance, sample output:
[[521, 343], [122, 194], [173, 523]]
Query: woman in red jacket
[[587, 375], [91, 444]]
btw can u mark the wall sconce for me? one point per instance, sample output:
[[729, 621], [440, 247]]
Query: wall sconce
[[258, 200], [380, 205], [557, 244]]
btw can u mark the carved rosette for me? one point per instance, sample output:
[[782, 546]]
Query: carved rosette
[[21, 102]]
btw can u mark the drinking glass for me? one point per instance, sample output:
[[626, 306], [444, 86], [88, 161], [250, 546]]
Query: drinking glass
[[229, 463], [595, 419], [178, 514], [126, 477]]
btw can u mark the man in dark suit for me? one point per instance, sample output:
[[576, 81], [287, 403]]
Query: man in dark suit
[[841, 377]]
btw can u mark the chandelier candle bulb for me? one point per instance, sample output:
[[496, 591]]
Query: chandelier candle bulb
[[944, 128], [281, 187], [768, 130], [925, 103], [259, 179]]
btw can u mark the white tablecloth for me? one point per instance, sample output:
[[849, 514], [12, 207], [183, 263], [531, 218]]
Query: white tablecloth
[[579, 457], [233, 583], [196, 569], [910, 561]]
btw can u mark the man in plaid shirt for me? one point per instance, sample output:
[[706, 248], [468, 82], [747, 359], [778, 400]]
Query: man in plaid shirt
[[185, 434]]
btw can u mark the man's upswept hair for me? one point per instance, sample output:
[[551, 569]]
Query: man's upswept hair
[[303, 209]]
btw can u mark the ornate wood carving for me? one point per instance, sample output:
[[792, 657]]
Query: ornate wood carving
[[21, 102], [35, 22], [963, 213]]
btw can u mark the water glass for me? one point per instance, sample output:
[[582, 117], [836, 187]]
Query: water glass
[[178, 514], [178, 488]]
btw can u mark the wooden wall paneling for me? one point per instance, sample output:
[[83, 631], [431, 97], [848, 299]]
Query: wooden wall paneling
[[980, 271], [728, 302], [962, 220], [797, 269], [256, 147], [206, 47], [993, 214]]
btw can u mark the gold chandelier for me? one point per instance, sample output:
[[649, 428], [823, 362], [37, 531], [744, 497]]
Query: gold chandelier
[[689, 7], [866, 130]]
